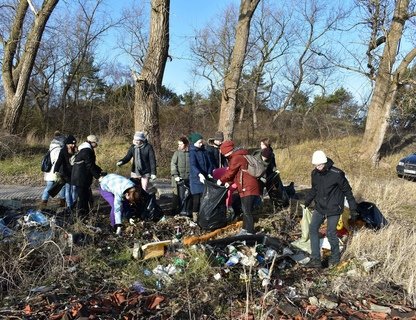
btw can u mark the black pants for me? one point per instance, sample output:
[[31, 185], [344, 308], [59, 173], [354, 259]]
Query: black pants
[[196, 202], [248, 205], [84, 197]]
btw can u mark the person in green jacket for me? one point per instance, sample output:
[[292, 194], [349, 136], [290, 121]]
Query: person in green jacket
[[179, 169]]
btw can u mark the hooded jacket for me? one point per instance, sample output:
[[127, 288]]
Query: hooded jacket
[[84, 168], [200, 163], [180, 166], [146, 162], [54, 149], [247, 185], [329, 187]]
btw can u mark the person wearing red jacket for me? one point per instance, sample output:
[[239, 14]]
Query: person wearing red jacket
[[247, 186]]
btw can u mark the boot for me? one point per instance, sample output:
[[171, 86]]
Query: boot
[[62, 203], [43, 204], [195, 216]]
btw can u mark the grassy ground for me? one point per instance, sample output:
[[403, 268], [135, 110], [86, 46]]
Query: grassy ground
[[393, 248]]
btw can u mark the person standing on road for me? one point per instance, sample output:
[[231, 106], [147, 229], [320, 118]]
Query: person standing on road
[[83, 172], [50, 177], [329, 187], [201, 168], [179, 169], [247, 186], [63, 167], [143, 165]]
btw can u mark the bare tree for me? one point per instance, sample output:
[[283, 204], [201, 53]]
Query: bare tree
[[232, 78], [305, 67], [148, 83], [390, 72], [16, 68]]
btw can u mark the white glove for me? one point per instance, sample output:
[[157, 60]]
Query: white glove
[[119, 163], [226, 184], [210, 176], [263, 179], [118, 231], [219, 182], [100, 179], [153, 177], [201, 178], [177, 179]]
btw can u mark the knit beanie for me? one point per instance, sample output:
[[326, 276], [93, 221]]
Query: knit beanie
[[139, 136], [194, 137], [227, 146], [70, 140]]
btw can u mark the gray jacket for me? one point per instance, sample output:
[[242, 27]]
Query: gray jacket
[[180, 166]]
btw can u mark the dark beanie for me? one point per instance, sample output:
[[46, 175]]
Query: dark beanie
[[194, 137], [267, 153], [227, 146], [70, 140]]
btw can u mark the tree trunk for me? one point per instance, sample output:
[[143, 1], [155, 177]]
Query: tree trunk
[[146, 105], [386, 85], [232, 78], [16, 79]]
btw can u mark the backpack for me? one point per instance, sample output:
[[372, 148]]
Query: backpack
[[256, 167], [46, 164]]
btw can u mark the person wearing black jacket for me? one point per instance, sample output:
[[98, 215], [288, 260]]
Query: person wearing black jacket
[[83, 172], [213, 150], [143, 165], [329, 187], [63, 166]]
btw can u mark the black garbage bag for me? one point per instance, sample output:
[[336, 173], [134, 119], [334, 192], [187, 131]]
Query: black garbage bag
[[146, 208], [185, 198], [372, 216], [276, 190], [212, 210]]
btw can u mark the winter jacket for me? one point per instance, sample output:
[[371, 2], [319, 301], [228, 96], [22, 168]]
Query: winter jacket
[[54, 148], [85, 168], [216, 157], [247, 185], [329, 187], [117, 185], [146, 163], [180, 166], [200, 163], [63, 165]]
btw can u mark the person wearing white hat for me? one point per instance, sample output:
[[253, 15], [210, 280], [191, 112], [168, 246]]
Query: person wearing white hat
[[83, 172], [143, 165], [329, 187]]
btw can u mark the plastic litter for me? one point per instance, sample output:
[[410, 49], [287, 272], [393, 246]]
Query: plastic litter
[[4, 230], [35, 217], [138, 287]]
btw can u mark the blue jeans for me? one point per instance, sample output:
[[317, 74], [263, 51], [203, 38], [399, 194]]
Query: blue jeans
[[70, 194], [331, 233], [45, 194]]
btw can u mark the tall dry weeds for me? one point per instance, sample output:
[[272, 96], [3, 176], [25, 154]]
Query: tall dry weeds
[[394, 247]]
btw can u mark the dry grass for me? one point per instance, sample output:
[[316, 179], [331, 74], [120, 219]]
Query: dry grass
[[394, 247]]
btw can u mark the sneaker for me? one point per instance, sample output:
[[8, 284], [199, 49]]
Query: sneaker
[[314, 263]]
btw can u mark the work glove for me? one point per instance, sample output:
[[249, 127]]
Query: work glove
[[201, 178], [219, 182], [119, 163], [263, 179], [152, 177], [177, 179], [353, 216], [209, 176], [118, 229], [226, 184]]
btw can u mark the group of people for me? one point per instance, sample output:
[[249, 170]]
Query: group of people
[[193, 163]]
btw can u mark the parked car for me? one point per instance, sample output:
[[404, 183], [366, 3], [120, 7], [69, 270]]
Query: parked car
[[407, 167]]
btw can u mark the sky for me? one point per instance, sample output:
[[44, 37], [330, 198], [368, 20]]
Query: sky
[[185, 17]]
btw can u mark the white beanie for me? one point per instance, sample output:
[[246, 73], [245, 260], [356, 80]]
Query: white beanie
[[92, 138], [319, 157], [139, 135]]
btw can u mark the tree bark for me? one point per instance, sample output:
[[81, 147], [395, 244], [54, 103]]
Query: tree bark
[[148, 83], [386, 85], [232, 78], [16, 78]]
